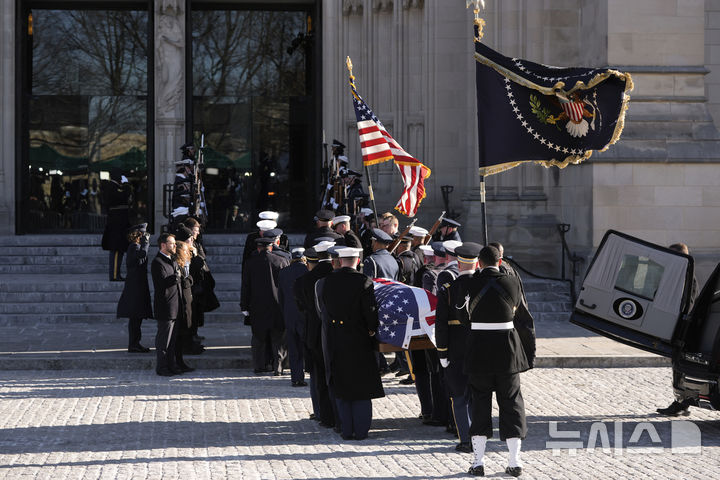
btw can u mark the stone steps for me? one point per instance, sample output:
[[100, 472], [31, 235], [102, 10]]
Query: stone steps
[[20, 319]]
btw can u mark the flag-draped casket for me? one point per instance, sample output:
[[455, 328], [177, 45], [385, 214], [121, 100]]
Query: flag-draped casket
[[404, 313]]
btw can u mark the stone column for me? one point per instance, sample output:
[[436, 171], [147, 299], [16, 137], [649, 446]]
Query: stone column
[[7, 118], [169, 94]]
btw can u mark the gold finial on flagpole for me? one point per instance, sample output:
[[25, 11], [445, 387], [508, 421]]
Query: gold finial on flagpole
[[479, 22], [348, 62]]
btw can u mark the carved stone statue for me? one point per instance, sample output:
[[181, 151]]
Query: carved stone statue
[[170, 58]]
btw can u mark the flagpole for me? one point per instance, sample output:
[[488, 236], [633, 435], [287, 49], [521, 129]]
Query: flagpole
[[483, 212], [348, 62]]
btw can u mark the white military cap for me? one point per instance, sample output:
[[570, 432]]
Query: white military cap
[[366, 211], [266, 225], [297, 252], [418, 232], [268, 215], [340, 219], [323, 246], [451, 245], [427, 250], [348, 252]]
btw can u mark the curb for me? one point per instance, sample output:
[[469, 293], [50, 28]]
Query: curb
[[122, 361]]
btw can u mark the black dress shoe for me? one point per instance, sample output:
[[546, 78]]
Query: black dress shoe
[[384, 371], [464, 447], [674, 409], [514, 471], [138, 349], [478, 471], [186, 369], [433, 423], [165, 373], [347, 437], [326, 425], [301, 383], [407, 381], [313, 417]]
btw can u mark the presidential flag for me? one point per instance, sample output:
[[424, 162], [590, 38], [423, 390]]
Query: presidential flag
[[379, 146], [528, 112], [404, 312]]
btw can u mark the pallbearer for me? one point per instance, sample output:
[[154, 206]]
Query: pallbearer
[[346, 299]]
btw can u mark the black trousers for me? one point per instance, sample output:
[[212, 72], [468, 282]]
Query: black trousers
[[134, 332], [295, 353], [441, 410], [509, 400], [264, 342], [355, 417], [115, 264], [165, 341], [327, 410], [422, 381]]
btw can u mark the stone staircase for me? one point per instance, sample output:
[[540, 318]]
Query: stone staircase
[[548, 301]]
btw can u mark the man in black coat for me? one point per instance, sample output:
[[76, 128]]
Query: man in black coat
[[319, 267], [451, 334], [346, 300], [134, 303], [294, 324], [116, 192], [323, 228], [259, 301], [494, 359], [168, 298]]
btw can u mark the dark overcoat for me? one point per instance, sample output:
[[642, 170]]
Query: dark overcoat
[[187, 298], [166, 282], [259, 290], [294, 320], [319, 232], [251, 247], [494, 351], [349, 314], [305, 299], [381, 264], [135, 299]]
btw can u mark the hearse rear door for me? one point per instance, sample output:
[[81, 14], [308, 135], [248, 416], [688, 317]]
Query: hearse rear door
[[635, 292]]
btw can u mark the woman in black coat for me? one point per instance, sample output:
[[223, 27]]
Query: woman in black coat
[[183, 257], [135, 301]]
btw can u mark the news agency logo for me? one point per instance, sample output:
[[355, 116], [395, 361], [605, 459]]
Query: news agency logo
[[683, 437]]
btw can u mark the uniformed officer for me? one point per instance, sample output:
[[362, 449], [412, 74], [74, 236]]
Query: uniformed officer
[[429, 280], [451, 333], [259, 301], [323, 228], [294, 324], [268, 221], [341, 225], [448, 231], [381, 264], [428, 258], [507, 269], [276, 234], [409, 263], [319, 266], [493, 361], [450, 270], [346, 300]]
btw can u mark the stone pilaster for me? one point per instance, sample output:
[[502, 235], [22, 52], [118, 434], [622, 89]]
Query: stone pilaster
[[170, 112], [7, 118]]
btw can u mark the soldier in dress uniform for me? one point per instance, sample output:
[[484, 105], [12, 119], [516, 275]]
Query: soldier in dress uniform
[[367, 224], [494, 359], [409, 263], [319, 266], [268, 221], [451, 334], [341, 225], [116, 192], [448, 231], [381, 263], [428, 263], [276, 234], [294, 324], [323, 228], [450, 269], [259, 302], [346, 300], [429, 280]]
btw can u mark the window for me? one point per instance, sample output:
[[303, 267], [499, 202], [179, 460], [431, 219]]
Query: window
[[639, 276]]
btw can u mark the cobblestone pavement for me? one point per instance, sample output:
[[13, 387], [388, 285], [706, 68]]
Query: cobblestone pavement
[[229, 424]]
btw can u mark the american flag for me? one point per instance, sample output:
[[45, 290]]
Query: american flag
[[404, 312], [378, 146]]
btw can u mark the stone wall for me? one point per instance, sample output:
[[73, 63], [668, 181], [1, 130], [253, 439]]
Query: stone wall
[[7, 118]]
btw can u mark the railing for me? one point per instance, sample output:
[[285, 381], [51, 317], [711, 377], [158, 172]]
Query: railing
[[574, 260]]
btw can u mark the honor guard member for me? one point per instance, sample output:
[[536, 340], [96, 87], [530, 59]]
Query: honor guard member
[[341, 225], [346, 301], [429, 280], [268, 221], [407, 261], [367, 223], [451, 334], [166, 277], [323, 228], [116, 192], [448, 230], [507, 269], [428, 263], [319, 267], [381, 264], [276, 234], [494, 360], [294, 323], [259, 301], [450, 269]]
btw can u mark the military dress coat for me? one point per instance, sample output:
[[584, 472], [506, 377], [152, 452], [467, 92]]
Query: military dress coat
[[346, 299], [381, 264], [494, 351], [320, 232], [294, 320], [250, 246], [135, 299], [305, 298], [259, 290]]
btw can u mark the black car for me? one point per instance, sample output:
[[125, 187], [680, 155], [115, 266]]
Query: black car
[[639, 293]]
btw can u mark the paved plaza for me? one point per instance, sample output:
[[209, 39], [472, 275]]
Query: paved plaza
[[230, 424]]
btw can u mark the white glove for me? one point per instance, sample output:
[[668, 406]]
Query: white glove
[[123, 179], [245, 313], [444, 362]]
